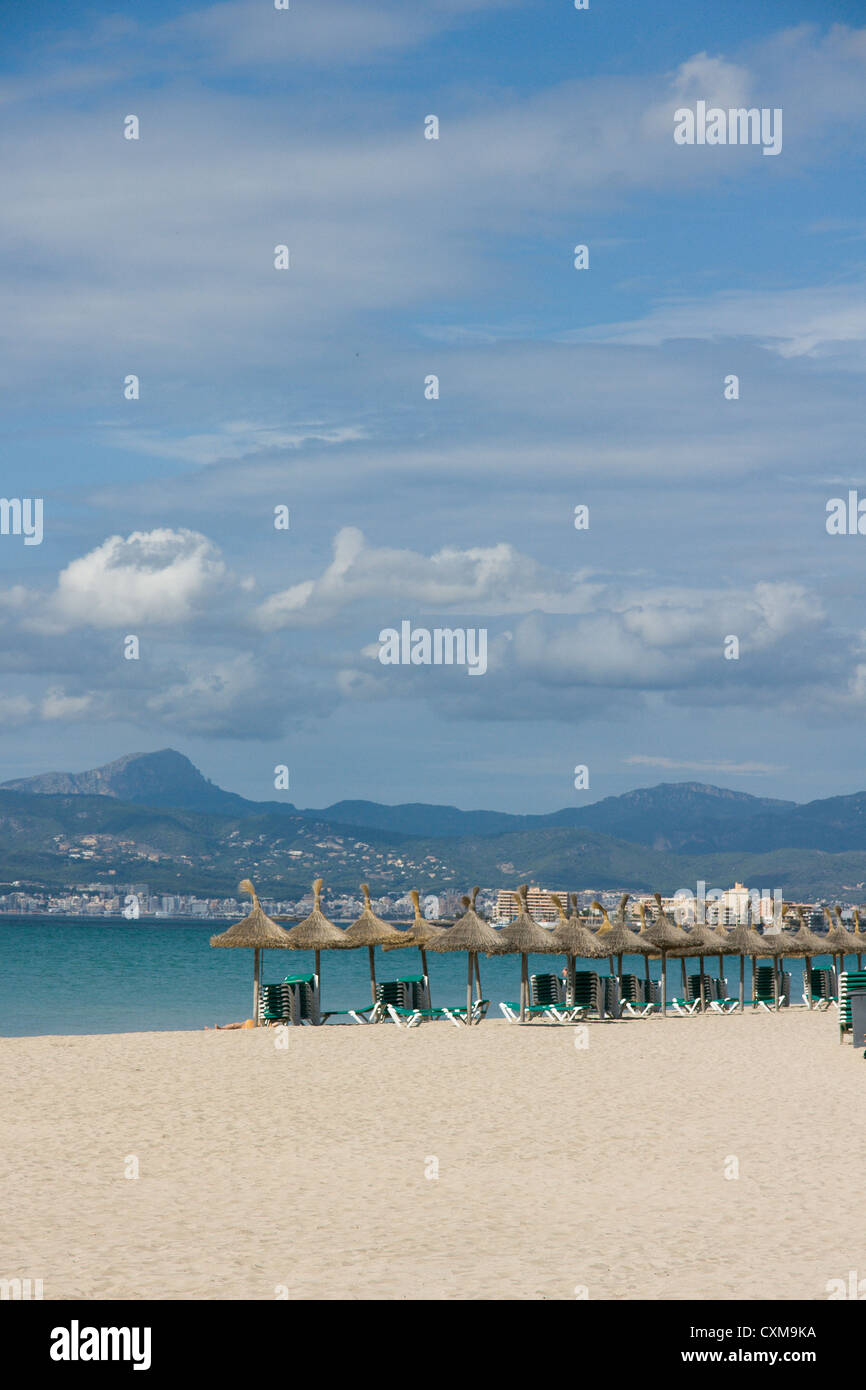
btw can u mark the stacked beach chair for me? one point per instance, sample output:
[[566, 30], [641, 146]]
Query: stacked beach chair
[[763, 994], [295, 1000], [588, 992], [823, 989], [850, 981], [639, 998]]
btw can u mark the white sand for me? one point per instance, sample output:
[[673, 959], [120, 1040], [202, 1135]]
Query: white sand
[[305, 1167]]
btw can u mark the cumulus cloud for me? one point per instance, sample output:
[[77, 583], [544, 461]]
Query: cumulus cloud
[[481, 579], [157, 577]]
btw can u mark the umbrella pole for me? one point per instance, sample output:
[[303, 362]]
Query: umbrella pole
[[808, 982], [478, 975], [701, 968], [722, 981], [372, 951], [683, 973], [524, 981], [469, 991], [664, 985], [742, 984], [256, 987], [426, 976]]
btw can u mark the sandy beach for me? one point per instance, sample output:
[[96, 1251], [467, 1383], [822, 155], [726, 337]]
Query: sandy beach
[[303, 1171]]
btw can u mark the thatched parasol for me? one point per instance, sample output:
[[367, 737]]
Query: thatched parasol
[[700, 941], [421, 932], [665, 935], [472, 934], [616, 939], [370, 931], [571, 937], [257, 931], [316, 932], [840, 941], [524, 936], [809, 944], [671, 926], [742, 941]]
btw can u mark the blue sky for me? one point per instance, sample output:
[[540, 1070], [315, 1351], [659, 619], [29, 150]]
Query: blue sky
[[557, 387]]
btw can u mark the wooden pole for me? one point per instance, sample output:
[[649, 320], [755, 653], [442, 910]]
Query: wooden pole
[[256, 987], [701, 968], [469, 991], [426, 976], [809, 981], [372, 951], [743, 983], [478, 975], [664, 984]]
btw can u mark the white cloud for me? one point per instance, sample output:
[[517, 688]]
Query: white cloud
[[235, 439], [151, 577], [481, 579], [679, 764], [815, 322], [58, 705]]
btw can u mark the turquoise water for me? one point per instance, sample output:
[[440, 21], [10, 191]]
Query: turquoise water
[[111, 977]]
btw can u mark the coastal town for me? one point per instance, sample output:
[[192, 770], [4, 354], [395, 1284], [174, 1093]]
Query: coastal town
[[136, 901]]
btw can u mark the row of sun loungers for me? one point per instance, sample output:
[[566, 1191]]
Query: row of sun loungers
[[406, 1002]]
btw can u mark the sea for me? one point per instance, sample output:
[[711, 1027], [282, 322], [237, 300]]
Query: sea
[[62, 975]]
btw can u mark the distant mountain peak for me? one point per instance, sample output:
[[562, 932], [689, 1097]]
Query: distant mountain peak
[[162, 778]]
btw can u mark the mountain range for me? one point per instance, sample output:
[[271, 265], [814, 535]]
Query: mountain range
[[155, 816]]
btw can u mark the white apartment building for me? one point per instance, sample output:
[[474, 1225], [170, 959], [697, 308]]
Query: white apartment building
[[539, 904]]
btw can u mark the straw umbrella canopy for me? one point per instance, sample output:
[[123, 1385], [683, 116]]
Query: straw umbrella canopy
[[665, 935], [840, 941], [700, 941], [370, 931], [573, 939], [524, 936], [470, 933], [616, 939], [780, 945], [257, 931], [742, 941], [810, 944], [316, 932], [421, 932]]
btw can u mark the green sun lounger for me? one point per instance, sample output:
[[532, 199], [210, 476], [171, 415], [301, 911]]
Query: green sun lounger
[[412, 1017]]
